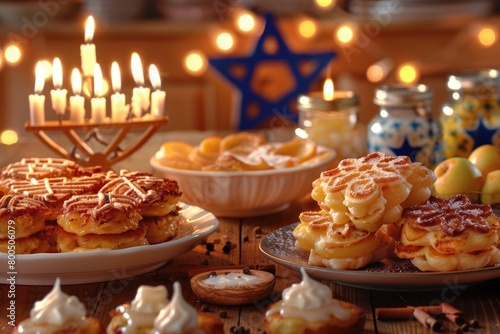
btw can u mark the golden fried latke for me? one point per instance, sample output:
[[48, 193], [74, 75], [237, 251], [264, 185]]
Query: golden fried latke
[[70, 242], [99, 214]]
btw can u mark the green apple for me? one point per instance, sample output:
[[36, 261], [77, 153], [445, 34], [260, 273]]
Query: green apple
[[457, 176], [491, 188], [486, 158]]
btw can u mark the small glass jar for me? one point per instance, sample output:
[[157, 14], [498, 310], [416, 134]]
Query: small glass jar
[[472, 116], [333, 123], [405, 124]]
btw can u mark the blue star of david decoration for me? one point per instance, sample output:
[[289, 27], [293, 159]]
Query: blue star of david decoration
[[482, 135], [243, 83], [406, 149]]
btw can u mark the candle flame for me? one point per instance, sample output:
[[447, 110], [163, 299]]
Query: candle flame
[[57, 77], [89, 29], [137, 72], [98, 85], [39, 77], [76, 81], [154, 76], [328, 90], [116, 80]]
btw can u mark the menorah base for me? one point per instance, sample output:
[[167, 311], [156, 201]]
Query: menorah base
[[86, 154]]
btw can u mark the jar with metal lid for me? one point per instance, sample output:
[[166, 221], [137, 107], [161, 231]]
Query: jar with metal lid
[[405, 124], [472, 116], [332, 123]]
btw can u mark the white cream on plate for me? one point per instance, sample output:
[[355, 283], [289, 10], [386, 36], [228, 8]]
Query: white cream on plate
[[231, 278], [309, 300], [55, 312], [178, 317]]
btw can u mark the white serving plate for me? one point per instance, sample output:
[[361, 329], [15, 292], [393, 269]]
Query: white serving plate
[[105, 265]]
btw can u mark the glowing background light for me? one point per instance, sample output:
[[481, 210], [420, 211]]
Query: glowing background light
[[345, 34], [13, 54], [9, 137], [307, 28], [408, 73], [195, 63], [245, 22], [325, 4], [487, 37], [375, 73], [224, 41], [379, 70]]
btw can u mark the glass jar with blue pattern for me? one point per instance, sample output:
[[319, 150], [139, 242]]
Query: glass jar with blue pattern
[[405, 124], [471, 117]]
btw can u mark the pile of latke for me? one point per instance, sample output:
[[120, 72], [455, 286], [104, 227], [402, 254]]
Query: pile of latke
[[380, 207], [55, 205]]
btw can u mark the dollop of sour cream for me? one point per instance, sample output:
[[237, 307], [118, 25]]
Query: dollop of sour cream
[[148, 302], [309, 300], [178, 317], [231, 278], [56, 312]]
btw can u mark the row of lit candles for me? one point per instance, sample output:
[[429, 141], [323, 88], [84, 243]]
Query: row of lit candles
[[143, 101]]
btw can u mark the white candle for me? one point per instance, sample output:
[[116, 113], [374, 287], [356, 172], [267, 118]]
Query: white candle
[[119, 110], [37, 100], [87, 50], [98, 103], [58, 95], [76, 102], [158, 96], [140, 94]]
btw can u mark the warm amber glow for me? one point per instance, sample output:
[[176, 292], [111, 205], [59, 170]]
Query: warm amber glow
[[9, 137], [98, 84], [12, 54], [328, 90], [57, 76], [325, 4], [39, 77], [379, 70], [47, 68], [375, 73], [154, 76], [307, 28], [137, 71], [89, 29], [224, 41], [195, 63], [1, 58], [245, 22], [76, 81], [345, 34], [105, 86], [116, 79], [408, 73], [487, 37]]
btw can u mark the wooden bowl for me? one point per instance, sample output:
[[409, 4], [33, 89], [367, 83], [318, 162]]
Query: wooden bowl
[[233, 294]]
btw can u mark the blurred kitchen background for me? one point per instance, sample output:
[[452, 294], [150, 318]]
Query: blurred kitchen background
[[377, 42]]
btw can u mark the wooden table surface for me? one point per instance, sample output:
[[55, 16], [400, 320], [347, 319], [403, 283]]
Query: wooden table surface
[[480, 301]]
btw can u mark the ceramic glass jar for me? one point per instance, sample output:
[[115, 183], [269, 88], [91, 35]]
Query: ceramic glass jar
[[405, 124], [472, 116]]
